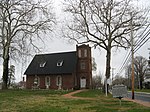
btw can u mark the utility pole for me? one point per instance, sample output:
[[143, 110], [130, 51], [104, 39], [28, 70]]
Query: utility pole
[[149, 58], [132, 50]]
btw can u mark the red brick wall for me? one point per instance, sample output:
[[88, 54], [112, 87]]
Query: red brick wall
[[68, 81], [87, 72], [29, 81]]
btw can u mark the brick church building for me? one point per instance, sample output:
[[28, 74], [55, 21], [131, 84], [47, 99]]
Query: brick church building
[[65, 70]]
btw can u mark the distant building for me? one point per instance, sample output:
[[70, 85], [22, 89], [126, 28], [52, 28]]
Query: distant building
[[65, 70]]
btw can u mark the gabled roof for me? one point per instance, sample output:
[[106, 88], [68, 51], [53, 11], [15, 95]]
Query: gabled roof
[[48, 64]]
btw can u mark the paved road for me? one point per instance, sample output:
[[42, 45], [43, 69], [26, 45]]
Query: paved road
[[140, 96]]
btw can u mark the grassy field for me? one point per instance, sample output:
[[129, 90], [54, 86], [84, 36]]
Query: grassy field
[[53, 101]]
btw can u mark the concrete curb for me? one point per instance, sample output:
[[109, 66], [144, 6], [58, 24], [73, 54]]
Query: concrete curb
[[140, 92]]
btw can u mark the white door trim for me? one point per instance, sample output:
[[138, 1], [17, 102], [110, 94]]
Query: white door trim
[[82, 82]]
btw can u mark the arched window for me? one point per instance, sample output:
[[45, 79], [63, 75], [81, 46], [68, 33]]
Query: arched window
[[37, 81], [47, 81], [85, 52], [59, 81], [79, 53]]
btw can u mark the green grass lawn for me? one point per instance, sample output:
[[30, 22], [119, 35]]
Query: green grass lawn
[[53, 101]]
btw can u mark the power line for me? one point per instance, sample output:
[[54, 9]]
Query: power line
[[143, 42], [125, 62], [139, 44], [139, 41], [143, 24]]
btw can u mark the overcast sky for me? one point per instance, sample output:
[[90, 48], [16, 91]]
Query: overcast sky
[[58, 44]]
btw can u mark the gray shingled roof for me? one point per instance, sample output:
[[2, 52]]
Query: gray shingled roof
[[68, 59]]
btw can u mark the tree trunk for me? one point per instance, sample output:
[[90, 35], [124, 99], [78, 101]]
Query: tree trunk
[[5, 73], [106, 87], [108, 58], [107, 74], [9, 79], [141, 85], [5, 67]]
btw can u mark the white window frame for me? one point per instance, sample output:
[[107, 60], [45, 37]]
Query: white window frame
[[47, 82], [38, 80], [79, 53], [85, 52], [83, 82], [60, 63], [59, 83], [42, 64]]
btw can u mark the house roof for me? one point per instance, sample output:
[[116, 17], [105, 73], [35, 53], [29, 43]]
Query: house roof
[[55, 63]]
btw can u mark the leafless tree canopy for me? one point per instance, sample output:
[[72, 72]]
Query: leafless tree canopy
[[21, 23], [120, 80], [102, 23], [94, 65], [140, 68], [97, 82]]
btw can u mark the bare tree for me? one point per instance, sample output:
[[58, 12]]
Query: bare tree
[[97, 82], [103, 23], [120, 80], [140, 65], [11, 75], [21, 23], [140, 68], [94, 65]]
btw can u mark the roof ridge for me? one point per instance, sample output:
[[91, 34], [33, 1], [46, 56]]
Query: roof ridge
[[56, 53]]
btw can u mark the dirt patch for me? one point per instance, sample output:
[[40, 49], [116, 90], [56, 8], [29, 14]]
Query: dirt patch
[[70, 95]]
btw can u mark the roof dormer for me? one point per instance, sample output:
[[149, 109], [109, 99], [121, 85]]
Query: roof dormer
[[60, 63], [42, 64]]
